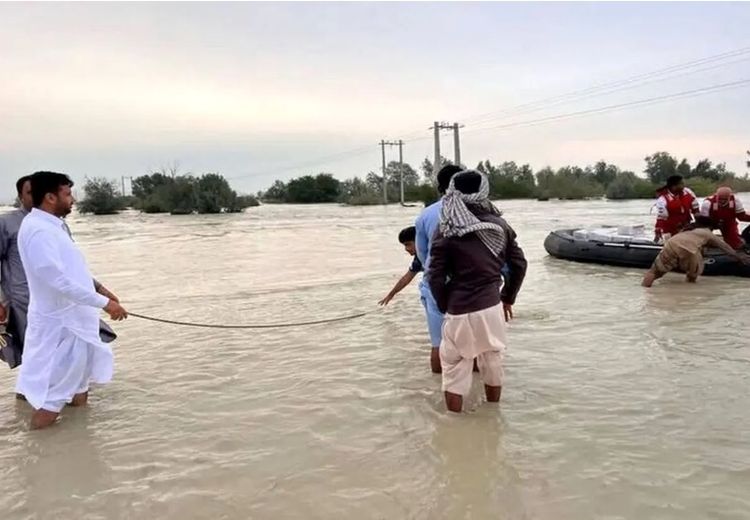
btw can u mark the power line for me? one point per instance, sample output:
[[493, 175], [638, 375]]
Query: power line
[[619, 106], [615, 90], [607, 88], [614, 86], [576, 95], [320, 160]]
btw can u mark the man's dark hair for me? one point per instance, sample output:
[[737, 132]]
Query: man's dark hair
[[674, 180], [43, 183], [20, 182], [445, 175], [703, 222], [468, 182], [407, 235]]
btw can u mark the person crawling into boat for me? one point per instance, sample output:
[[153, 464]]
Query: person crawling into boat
[[684, 252]]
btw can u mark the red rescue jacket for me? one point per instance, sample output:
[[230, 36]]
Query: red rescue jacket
[[726, 218], [675, 211]]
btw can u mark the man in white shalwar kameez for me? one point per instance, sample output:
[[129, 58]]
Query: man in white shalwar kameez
[[62, 350]]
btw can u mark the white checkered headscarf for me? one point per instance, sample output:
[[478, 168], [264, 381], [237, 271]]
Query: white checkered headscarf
[[457, 219]]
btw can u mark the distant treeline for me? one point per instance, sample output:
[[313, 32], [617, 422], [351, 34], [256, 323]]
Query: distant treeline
[[324, 187], [511, 181], [162, 192]]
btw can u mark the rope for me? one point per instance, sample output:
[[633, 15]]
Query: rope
[[265, 326]]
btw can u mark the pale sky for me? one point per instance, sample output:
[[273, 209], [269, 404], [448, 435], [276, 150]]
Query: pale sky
[[260, 91]]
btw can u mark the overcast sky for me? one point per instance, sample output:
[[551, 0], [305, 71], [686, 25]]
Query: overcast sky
[[258, 92]]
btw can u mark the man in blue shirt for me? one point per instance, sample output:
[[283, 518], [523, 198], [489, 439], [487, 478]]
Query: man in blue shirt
[[426, 225]]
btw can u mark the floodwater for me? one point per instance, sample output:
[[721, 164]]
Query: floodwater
[[620, 403]]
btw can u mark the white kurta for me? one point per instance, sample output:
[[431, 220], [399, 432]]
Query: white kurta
[[62, 350]]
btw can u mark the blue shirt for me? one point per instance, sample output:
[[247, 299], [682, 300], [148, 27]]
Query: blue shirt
[[426, 224]]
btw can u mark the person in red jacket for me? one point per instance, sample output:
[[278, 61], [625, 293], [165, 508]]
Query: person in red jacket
[[675, 208], [725, 210]]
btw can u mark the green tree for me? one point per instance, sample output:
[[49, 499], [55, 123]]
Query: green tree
[[684, 169], [393, 172], [145, 185], [182, 195], [660, 166], [427, 170], [374, 182], [151, 192], [508, 180], [426, 193], [569, 182], [605, 173], [276, 193], [308, 189], [707, 170], [213, 194], [627, 185], [327, 187], [101, 197], [393, 175], [357, 192]]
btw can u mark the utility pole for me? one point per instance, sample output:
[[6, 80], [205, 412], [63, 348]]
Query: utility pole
[[385, 180], [456, 144], [123, 184], [401, 166], [436, 164], [400, 144]]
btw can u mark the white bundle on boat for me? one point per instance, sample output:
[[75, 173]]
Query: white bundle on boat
[[614, 234]]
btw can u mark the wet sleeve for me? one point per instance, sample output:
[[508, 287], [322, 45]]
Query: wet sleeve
[[43, 260]]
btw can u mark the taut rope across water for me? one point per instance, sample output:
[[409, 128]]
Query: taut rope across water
[[261, 326]]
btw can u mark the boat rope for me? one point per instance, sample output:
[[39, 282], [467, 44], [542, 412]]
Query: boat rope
[[256, 326]]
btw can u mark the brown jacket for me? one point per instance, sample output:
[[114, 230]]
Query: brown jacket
[[464, 275], [695, 240]]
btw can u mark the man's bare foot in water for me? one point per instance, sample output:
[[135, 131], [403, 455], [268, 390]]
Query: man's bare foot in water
[[80, 399], [42, 419]]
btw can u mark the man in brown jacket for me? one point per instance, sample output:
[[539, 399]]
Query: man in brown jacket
[[468, 252]]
